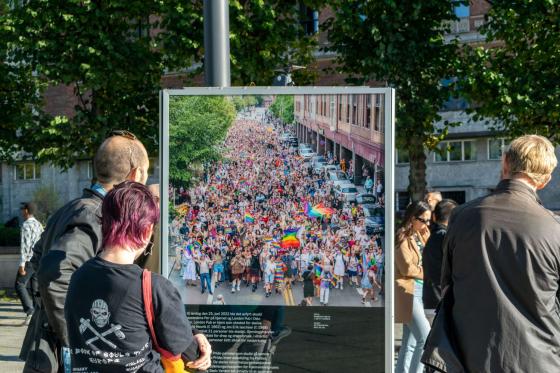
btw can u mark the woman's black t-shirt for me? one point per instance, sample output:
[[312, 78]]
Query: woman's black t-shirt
[[107, 325]]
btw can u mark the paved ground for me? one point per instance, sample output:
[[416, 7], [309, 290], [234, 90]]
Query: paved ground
[[349, 296], [11, 336]]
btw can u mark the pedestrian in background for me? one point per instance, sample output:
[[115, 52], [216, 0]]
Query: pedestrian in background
[[502, 265], [432, 198], [432, 257], [409, 274], [30, 233]]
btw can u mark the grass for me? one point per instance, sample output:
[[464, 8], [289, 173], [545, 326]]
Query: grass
[[8, 295]]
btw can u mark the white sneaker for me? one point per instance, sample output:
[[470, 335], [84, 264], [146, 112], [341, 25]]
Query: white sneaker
[[238, 287], [233, 289]]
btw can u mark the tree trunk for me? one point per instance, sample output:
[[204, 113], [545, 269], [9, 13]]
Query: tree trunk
[[417, 172]]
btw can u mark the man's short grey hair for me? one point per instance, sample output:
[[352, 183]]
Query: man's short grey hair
[[533, 156]]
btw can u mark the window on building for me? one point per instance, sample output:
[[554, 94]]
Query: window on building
[[378, 123], [462, 11], [27, 171], [458, 196], [403, 199], [340, 107], [456, 151], [348, 108], [355, 109], [309, 20], [368, 111], [403, 156], [496, 148]]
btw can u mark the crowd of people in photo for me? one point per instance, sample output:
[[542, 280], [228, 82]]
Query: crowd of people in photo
[[234, 221]]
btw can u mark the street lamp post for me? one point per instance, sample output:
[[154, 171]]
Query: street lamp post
[[216, 43]]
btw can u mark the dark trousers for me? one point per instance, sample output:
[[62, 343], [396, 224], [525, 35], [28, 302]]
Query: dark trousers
[[26, 295]]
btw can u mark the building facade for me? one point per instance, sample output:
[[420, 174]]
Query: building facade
[[469, 166], [20, 181], [351, 127]]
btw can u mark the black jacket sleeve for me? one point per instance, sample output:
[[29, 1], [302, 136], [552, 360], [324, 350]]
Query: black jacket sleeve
[[65, 256], [173, 329]]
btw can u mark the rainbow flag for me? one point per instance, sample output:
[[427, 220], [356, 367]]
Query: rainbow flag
[[276, 245], [290, 240], [318, 270], [318, 211], [249, 218], [188, 249], [197, 245], [334, 281], [267, 239]]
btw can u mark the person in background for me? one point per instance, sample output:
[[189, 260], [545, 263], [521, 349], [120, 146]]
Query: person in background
[[432, 198], [368, 185], [432, 257], [104, 306], [502, 264], [30, 233], [308, 288], [411, 238]]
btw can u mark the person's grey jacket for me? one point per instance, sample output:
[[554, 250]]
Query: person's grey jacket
[[502, 257], [72, 236]]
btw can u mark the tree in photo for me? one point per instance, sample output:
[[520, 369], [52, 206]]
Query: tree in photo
[[283, 108], [198, 126], [513, 81], [401, 45]]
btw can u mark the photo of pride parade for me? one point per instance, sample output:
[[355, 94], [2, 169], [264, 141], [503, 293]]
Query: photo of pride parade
[[269, 216]]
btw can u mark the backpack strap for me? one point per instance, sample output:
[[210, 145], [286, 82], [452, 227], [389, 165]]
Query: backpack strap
[[149, 310]]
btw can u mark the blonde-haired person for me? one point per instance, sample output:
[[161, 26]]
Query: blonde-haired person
[[409, 274], [502, 264]]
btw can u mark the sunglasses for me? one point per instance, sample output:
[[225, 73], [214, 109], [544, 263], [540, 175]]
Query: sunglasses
[[425, 221], [122, 133]]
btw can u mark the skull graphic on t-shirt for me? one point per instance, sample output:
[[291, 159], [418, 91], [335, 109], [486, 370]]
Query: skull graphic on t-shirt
[[100, 313]]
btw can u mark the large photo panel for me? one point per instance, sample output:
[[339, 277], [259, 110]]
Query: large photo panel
[[276, 224]]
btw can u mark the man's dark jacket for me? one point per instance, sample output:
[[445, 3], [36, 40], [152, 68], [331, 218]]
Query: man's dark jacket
[[432, 259], [72, 236], [502, 256]]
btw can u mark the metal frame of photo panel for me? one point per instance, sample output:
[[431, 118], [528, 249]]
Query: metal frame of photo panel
[[389, 168]]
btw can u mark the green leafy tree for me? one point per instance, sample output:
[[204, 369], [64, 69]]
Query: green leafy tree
[[113, 55], [265, 35], [102, 50], [401, 44], [198, 125], [283, 108], [18, 90], [514, 83], [242, 102]]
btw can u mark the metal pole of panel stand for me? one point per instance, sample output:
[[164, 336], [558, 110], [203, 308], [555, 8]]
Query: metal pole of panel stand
[[216, 43]]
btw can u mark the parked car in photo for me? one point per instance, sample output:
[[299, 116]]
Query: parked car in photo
[[302, 146], [375, 220], [347, 191], [318, 158], [330, 168], [337, 177], [366, 199], [307, 154], [318, 166]]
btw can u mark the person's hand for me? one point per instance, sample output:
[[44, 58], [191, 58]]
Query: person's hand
[[21, 270], [203, 362]]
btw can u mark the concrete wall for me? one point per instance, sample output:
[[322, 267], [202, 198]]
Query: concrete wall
[[68, 185]]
